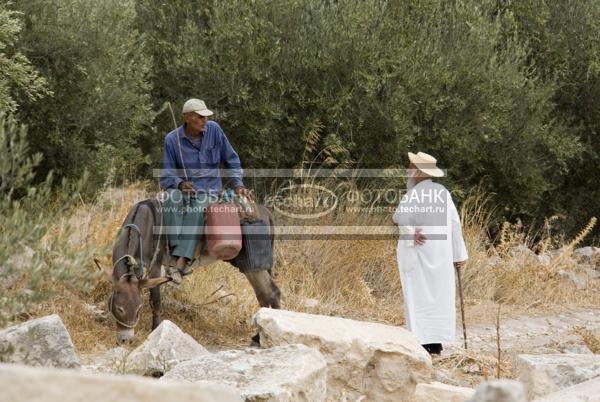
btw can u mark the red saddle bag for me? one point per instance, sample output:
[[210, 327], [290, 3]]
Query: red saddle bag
[[222, 230]]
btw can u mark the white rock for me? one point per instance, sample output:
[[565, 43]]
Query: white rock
[[592, 273], [438, 392], [280, 374], [580, 282], [543, 374], [543, 259], [41, 342], [310, 303], [499, 391], [111, 362], [165, 347], [577, 349], [29, 384], [588, 391], [522, 251], [557, 252], [586, 253], [445, 376], [95, 312], [364, 359]]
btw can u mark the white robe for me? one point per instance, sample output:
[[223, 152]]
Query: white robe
[[427, 271]]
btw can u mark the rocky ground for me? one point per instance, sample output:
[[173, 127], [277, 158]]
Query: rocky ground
[[570, 330], [539, 353], [540, 332], [306, 357]]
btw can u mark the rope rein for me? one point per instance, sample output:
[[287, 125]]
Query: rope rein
[[110, 307], [132, 260], [157, 249], [137, 229], [111, 298]]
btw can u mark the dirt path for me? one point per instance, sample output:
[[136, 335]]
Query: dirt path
[[572, 330]]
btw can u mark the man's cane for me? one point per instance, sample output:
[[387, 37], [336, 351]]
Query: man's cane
[[462, 306]]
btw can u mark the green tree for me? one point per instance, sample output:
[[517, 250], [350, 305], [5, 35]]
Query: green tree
[[31, 265], [564, 42], [18, 78], [99, 114], [384, 77]]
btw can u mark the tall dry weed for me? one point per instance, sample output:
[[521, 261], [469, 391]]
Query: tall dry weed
[[510, 271]]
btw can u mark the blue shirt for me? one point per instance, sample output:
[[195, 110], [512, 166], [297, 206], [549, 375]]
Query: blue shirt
[[201, 161]]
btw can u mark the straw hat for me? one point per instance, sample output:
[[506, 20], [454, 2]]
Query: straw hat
[[426, 164]]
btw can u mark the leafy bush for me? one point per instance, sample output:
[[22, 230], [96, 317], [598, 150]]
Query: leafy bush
[[502, 92], [18, 78], [33, 267], [564, 42], [92, 60], [383, 77]]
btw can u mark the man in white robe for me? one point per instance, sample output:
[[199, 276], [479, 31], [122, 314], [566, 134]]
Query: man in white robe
[[431, 246]]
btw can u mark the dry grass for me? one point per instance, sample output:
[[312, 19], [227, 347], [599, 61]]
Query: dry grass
[[471, 367], [350, 278], [511, 272], [591, 339]]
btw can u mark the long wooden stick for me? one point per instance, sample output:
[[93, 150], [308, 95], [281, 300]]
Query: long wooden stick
[[178, 142], [462, 307], [498, 341]]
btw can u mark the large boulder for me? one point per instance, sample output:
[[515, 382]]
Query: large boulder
[[588, 391], [33, 384], [543, 374], [439, 392], [40, 342], [376, 361], [499, 391], [165, 347], [281, 374]]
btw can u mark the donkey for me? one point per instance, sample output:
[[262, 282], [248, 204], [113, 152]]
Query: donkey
[[125, 300]]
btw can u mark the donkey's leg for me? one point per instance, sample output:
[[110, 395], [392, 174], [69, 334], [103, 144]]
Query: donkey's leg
[[267, 292], [155, 304]]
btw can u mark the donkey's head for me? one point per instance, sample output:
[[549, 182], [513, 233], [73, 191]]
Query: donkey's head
[[125, 300]]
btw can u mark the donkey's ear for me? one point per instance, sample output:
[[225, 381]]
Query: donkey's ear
[[107, 273], [154, 282]]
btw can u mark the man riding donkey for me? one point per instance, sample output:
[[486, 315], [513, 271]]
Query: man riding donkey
[[191, 178], [168, 230]]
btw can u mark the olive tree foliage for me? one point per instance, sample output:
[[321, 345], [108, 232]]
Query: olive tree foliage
[[383, 77], [563, 38], [18, 78], [502, 92], [31, 265], [16, 164], [98, 113]]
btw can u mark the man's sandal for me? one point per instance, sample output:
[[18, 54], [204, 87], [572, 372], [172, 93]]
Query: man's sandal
[[186, 270], [174, 274]]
